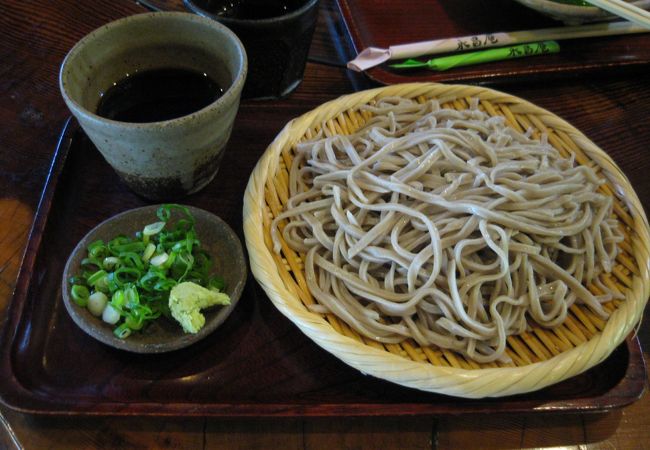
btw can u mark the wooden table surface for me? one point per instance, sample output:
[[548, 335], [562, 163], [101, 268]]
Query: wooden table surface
[[612, 109]]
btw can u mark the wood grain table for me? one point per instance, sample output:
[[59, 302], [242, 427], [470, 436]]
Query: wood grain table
[[612, 108]]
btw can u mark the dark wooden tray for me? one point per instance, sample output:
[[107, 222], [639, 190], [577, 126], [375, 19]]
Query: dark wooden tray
[[257, 364], [381, 23]]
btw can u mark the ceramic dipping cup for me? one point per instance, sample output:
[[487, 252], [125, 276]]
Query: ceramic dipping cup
[[276, 34], [171, 158]]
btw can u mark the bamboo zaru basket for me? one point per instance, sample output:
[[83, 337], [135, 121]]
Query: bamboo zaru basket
[[539, 357]]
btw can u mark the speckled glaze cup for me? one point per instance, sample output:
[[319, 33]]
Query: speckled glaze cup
[[277, 47], [158, 160]]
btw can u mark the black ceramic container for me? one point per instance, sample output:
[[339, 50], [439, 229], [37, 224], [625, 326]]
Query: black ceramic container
[[276, 46]]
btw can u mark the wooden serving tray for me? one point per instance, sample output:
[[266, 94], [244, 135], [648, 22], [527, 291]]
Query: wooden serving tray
[[381, 23], [257, 364]]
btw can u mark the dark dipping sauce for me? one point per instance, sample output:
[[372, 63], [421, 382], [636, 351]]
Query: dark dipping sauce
[[158, 95], [250, 9]]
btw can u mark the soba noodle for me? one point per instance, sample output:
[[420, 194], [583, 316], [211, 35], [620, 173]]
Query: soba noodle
[[447, 227]]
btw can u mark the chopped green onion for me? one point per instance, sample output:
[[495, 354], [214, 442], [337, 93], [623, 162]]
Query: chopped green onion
[[80, 294], [111, 283], [132, 259], [96, 303], [95, 277], [118, 300], [110, 262], [168, 263], [148, 252], [182, 265], [153, 228], [122, 332], [165, 284], [110, 314], [91, 263], [159, 259], [135, 320], [125, 275], [128, 247], [149, 279], [131, 297], [97, 249]]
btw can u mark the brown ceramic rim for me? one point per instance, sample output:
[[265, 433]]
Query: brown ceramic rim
[[227, 20], [228, 96]]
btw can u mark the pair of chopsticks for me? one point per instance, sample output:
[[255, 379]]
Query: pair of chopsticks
[[373, 56], [625, 10]]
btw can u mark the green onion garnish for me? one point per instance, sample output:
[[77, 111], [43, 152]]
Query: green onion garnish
[[80, 294]]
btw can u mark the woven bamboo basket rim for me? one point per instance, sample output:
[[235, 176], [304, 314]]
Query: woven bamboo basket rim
[[540, 357]]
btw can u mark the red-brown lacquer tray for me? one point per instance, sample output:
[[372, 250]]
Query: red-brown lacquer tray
[[257, 364], [381, 23]]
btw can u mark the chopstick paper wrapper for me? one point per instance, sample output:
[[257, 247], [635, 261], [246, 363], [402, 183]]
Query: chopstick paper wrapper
[[482, 56], [373, 56]]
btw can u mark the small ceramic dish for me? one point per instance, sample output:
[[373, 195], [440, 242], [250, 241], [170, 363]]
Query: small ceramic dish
[[162, 335], [574, 14]]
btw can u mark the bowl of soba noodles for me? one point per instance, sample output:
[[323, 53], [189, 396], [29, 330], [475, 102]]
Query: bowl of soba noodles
[[453, 239]]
